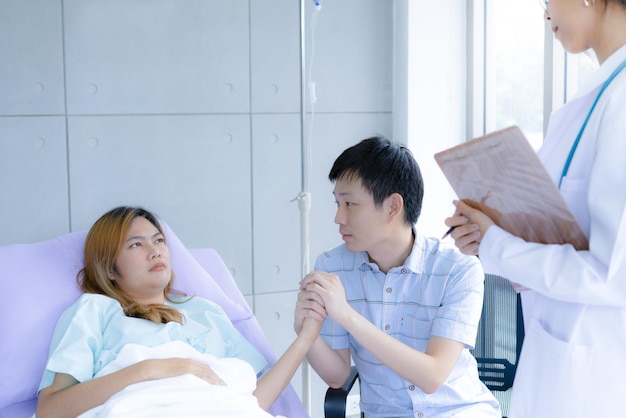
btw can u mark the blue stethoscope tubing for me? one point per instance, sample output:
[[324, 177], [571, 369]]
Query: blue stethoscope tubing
[[580, 133]]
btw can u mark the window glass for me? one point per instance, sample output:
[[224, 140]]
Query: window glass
[[514, 67]]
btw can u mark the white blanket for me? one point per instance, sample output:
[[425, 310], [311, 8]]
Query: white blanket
[[181, 396]]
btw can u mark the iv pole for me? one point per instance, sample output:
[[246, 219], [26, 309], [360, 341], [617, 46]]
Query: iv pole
[[304, 197]]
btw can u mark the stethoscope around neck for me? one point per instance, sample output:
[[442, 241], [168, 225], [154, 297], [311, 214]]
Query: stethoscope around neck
[[580, 133]]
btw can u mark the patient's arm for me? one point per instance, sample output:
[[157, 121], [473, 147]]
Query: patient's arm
[[333, 366], [272, 383], [67, 397]]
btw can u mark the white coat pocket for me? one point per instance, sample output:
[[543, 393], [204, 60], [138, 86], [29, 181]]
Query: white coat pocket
[[552, 378]]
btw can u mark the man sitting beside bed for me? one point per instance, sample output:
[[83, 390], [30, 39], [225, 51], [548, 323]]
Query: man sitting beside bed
[[130, 346]]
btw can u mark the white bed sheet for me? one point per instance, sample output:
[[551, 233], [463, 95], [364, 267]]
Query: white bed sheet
[[182, 396]]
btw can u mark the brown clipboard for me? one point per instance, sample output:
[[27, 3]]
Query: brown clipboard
[[501, 175]]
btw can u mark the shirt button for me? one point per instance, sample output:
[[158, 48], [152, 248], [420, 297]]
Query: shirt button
[[387, 327], [412, 387], [388, 290], [420, 414], [404, 270]]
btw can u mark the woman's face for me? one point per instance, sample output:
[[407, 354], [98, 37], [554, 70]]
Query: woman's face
[[574, 24], [142, 269]]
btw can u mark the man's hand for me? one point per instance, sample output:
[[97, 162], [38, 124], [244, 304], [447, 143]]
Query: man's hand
[[309, 306], [328, 287]]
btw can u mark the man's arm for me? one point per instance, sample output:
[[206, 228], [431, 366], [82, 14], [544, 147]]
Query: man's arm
[[333, 366], [428, 370]]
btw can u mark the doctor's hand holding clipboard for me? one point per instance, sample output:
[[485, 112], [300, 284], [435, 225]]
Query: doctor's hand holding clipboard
[[500, 181]]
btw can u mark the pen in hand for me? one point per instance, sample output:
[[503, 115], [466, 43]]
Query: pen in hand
[[449, 231]]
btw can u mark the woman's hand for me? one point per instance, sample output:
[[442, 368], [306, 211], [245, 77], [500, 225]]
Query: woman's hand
[[328, 287], [470, 226], [311, 327], [171, 367], [309, 305], [66, 396]]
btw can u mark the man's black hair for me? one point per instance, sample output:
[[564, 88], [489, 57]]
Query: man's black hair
[[384, 168]]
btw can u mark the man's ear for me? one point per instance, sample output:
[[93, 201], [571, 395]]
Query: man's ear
[[394, 205]]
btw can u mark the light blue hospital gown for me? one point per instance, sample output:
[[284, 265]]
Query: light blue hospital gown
[[92, 331]]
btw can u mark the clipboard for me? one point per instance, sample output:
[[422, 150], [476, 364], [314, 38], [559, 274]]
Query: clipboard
[[501, 175]]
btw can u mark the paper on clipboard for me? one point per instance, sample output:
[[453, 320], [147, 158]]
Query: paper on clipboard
[[501, 175]]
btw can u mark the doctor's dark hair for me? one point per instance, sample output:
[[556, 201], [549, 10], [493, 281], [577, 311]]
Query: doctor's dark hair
[[102, 247], [384, 168]]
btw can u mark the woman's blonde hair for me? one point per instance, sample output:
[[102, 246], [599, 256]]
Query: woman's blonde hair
[[102, 247]]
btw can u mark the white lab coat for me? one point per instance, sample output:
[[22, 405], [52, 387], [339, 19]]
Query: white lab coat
[[573, 360]]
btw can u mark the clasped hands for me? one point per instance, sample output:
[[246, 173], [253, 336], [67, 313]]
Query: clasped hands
[[321, 295]]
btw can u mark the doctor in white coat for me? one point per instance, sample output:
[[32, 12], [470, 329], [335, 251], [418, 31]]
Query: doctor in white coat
[[573, 360]]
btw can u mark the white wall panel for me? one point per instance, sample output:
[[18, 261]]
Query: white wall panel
[[194, 171], [31, 59], [276, 182], [33, 179], [275, 55], [157, 56], [351, 66]]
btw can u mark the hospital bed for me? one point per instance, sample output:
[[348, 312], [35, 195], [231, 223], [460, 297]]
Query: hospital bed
[[38, 281]]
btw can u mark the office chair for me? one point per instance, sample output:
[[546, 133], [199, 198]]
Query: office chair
[[499, 339]]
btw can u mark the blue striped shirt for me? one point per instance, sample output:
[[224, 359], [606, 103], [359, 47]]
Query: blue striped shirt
[[437, 291]]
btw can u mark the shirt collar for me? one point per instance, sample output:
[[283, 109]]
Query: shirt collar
[[413, 263]]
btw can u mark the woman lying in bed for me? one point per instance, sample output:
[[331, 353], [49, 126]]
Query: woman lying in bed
[[128, 303]]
